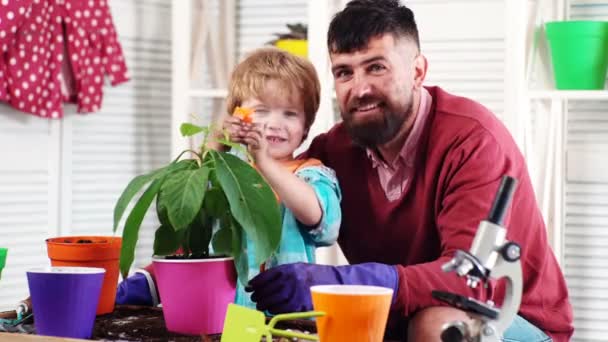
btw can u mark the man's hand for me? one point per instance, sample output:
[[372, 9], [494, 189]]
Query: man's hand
[[286, 288]]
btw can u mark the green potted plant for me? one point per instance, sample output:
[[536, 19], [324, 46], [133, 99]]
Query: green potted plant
[[213, 199]]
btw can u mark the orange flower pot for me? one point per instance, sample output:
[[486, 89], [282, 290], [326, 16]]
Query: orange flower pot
[[90, 251]]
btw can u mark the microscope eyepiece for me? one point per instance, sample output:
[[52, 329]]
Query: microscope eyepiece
[[502, 200]]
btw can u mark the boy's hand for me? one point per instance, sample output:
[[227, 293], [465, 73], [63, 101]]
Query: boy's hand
[[237, 129], [256, 142]]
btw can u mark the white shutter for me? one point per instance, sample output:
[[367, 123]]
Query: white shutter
[[60, 177], [586, 221], [464, 42], [131, 134], [586, 226], [258, 20], [29, 152]]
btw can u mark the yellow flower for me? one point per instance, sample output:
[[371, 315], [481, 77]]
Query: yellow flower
[[243, 113]]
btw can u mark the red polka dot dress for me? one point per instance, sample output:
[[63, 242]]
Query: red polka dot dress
[[55, 51]]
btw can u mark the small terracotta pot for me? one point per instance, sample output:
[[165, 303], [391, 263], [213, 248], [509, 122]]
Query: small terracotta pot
[[96, 251]]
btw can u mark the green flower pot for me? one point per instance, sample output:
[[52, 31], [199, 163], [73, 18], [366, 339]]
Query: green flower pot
[[579, 53], [2, 259]]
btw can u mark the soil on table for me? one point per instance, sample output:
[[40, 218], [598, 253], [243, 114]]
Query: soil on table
[[142, 323], [138, 323]]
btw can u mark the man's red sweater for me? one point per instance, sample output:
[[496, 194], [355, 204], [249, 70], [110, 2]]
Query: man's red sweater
[[464, 151]]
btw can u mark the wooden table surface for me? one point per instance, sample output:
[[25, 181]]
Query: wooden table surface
[[33, 338]]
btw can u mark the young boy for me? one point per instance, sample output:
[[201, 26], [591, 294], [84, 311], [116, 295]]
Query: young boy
[[283, 91]]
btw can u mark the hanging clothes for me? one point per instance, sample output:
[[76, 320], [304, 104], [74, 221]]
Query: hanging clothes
[[12, 15], [52, 46]]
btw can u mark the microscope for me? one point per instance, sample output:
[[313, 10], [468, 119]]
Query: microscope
[[490, 256]]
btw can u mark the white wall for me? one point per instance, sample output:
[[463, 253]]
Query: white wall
[[586, 201], [62, 177]]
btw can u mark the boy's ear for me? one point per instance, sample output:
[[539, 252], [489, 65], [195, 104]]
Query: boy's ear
[[305, 135]]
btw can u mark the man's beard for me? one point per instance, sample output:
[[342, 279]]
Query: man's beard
[[380, 130]]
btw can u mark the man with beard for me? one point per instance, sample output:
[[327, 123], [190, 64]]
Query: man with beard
[[418, 168]]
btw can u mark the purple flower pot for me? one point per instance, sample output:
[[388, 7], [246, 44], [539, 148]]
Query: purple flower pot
[[64, 300]]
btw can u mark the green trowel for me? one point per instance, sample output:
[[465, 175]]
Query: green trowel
[[247, 325], [2, 259]]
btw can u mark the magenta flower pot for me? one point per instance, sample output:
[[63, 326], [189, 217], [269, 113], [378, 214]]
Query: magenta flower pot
[[195, 293]]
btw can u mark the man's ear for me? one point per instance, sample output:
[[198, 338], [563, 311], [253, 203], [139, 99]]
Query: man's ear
[[420, 68]]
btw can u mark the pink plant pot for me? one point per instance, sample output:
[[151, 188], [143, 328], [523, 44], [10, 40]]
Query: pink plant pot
[[195, 293]]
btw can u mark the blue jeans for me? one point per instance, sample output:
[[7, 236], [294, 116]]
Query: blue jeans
[[521, 330]]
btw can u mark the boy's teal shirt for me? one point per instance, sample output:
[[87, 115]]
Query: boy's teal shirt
[[298, 242]]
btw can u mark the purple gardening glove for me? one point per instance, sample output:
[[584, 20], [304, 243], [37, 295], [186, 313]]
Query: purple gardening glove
[[138, 289], [286, 288]]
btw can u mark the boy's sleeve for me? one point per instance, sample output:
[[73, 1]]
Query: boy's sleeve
[[138, 289], [324, 182]]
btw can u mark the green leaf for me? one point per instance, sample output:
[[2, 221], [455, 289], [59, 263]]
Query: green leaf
[[236, 146], [166, 240], [131, 231], [229, 143], [200, 235], [241, 259], [222, 239], [186, 242], [130, 191], [138, 182], [161, 211], [213, 179], [184, 164], [188, 129], [182, 195], [215, 203], [252, 203]]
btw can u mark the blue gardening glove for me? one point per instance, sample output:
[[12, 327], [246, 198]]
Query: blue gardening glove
[[138, 289], [286, 288]]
